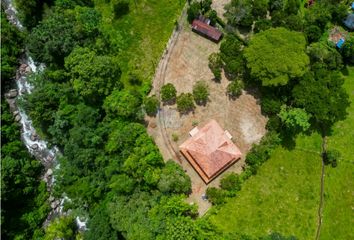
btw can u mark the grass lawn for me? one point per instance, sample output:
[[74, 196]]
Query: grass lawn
[[283, 197], [338, 214], [139, 38]]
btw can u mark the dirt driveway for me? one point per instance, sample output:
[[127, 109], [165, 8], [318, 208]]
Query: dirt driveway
[[185, 62]]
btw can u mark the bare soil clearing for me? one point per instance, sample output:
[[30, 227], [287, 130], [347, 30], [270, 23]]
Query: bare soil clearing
[[184, 63]]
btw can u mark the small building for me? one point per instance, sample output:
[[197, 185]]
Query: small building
[[210, 150], [349, 21], [340, 43], [206, 30]]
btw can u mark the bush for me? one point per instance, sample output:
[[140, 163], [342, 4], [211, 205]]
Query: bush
[[120, 7], [216, 196], [193, 11], [331, 157], [261, 152], [234, 89], [185, 103], [201, 92], [231, 182], [215, 65], [168, 93], [151, 105]]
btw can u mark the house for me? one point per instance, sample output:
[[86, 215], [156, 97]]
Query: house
[[349, 22], [206, 30], [210, 150]]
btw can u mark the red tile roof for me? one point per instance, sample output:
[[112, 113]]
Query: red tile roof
[[206, 30], [210, 151]]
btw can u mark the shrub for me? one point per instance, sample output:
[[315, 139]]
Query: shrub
[[331, 157], [168, 93], [215, 65], [234, 89], [185, 103], [216, 196], [201, 92], [231, 182], [120, 7], [151, 105], [175, 137]]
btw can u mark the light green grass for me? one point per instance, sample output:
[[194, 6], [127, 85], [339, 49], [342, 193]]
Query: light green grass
[[338, 214], [283, 197], [139, 38]]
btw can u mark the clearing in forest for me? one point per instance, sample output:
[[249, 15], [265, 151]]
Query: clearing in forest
[[185, 63]]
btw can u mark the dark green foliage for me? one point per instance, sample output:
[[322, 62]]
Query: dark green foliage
[[347, 49], [259, 9], [231, 182], [30, 11], [123, 104], [193, 11], [276, 5], [262, 25], [270, 104], [239, 13], [325, 56], [234, 89], [292, 6], [174, 179], [151, 105], [91, 75], [11, 44], [99, 225], [230, 52], [313, 33], [322, 95], [185, 103], [120, 7], [24, 195], [57, 35], [318, 15], [168, 93], [331, 157], [261, 152], [216, 196], [294, 22], [201, 92]]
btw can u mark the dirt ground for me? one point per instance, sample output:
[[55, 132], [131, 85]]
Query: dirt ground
[[186, 62]]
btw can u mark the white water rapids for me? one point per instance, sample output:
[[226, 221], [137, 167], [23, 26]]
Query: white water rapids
[[36, 146]]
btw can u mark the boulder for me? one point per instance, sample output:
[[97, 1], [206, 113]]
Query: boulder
[[49, 172], [11, 94], [34, 137], [28, 70], [18, 118], [15, 113], [34, 146]]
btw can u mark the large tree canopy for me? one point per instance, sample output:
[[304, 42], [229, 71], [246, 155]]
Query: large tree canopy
[[277, 55]]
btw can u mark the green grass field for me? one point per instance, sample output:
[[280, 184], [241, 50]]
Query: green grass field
[[140, 37], [284, 196], [338, 214]]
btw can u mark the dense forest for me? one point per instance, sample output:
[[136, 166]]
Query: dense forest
[[91, 105]]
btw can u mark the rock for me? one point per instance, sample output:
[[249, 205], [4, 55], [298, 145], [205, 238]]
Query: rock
[[23, 66], [51, 199], [23, 91], [49, 172], [28, 70], [34, 146], [15, 113], [12, 104], [11, 94], [55, 204], [49, 158], [34, 137], [18, 118]]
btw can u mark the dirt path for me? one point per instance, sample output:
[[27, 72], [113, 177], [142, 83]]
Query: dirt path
[[320, 208]]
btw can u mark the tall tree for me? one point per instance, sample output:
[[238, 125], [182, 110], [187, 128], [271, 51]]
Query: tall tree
[[277, 55]]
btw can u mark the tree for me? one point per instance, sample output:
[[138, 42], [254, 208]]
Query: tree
[[292, 7], [62, 228], [239, 13], [168, 93], [324, 55], [259, 9], [295, 119], [151, 105], [216, 196], [262, 25], [234, 89], [185, 103], [321, 94], [277, 55], [276, 5], [201, 92], [93, 76], [11, 43], [124, 104], [231, 182], [215, 65], [313, 33], [174, 179], [193, 11], [120, 7], [30, 11], [331, 157], [347, 49]]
